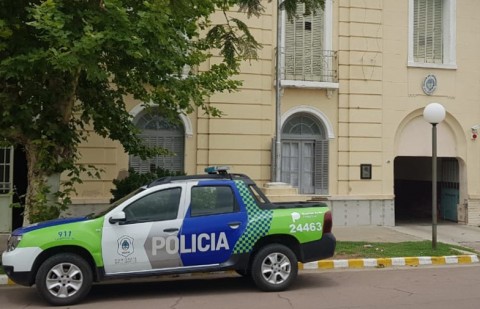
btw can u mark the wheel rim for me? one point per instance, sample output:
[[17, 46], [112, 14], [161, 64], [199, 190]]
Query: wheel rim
[[276, 268], [64, 280]]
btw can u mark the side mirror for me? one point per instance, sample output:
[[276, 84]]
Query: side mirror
[[117, 217]]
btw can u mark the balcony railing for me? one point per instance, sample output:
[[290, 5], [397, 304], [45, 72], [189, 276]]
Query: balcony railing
[[318, 67]]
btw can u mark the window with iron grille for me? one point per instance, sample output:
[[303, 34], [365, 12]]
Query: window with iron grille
[[158, 131]]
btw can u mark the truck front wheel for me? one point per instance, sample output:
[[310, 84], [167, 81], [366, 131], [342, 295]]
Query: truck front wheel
[[64, 279], [274, 268]]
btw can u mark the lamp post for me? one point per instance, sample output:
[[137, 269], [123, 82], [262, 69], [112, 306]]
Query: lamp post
[[278, 97], [434, 113]]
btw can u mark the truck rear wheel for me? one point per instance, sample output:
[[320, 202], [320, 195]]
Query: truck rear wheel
[[64, 279], [274, 268]]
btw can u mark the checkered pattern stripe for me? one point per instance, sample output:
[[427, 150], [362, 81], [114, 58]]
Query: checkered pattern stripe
[[259, 221]]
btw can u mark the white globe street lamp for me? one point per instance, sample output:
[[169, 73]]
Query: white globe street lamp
[[434, 113]]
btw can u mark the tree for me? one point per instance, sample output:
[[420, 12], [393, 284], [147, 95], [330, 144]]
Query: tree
[[69, 64]]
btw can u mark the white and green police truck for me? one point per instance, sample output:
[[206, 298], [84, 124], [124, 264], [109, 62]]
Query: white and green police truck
[[175, 225]]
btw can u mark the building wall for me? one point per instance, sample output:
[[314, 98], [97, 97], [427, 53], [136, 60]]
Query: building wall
[[375, 113], [360, 114], [241, 138]]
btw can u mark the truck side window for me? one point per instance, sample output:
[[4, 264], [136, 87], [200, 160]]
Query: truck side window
[[212, 200], [157, 206]]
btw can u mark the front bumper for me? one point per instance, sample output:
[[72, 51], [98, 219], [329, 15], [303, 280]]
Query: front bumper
[[22, 278], [18, 264]]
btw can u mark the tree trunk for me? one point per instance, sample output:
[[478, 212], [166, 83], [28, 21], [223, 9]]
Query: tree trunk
[[40, 196]]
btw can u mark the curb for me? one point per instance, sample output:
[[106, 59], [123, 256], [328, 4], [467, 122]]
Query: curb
[[366, 263], [390, 262], [4, 280]]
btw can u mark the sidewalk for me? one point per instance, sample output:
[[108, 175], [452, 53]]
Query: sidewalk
[[452, 233]]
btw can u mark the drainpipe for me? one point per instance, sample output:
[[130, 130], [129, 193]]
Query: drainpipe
[[278, 102]]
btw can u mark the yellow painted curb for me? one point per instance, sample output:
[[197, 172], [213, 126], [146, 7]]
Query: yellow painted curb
[[362, 263], [4, 280], [389, 262]]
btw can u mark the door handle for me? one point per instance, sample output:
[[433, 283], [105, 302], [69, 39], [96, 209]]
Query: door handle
[[171, 230], [235, 225]]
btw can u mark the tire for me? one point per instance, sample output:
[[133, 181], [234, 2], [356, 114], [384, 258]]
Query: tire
[[274, 268], [64, 279]]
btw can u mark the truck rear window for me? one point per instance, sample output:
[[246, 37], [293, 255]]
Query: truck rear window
[[258, 195]]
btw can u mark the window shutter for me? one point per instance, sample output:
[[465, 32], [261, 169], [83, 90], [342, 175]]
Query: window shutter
[[316, 42], [172, 163], [321, 167], [304, 46], [419, 20], [289, 50], [438, 32], [428, 31]]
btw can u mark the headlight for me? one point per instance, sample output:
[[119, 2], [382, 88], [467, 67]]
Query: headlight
[[12, 242]]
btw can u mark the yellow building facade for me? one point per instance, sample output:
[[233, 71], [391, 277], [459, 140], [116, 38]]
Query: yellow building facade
[[369, 106], [354, 83]]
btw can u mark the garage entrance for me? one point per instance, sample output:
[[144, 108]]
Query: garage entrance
[[413, 189]]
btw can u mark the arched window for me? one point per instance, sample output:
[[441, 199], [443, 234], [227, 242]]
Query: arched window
[[158, 131], [305, 154]]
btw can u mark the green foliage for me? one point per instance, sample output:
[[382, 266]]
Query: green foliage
[[47, 202], [135, 180], [66, 65], [42, 209]]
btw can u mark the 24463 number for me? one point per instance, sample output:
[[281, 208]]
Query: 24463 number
[[307, 227]]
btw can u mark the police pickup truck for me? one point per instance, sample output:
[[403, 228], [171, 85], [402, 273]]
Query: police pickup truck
[[175, 225]]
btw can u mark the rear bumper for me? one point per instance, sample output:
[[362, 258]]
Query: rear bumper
[[319, 249]]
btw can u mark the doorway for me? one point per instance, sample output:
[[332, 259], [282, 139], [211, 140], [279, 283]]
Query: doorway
[[20, 183], [13, 187], [305, 154], [413, 189]]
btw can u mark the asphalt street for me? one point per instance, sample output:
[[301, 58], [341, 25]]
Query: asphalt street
[[398, 288]]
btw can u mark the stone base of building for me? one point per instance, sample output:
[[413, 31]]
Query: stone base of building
[[348, 211], [353, 212]]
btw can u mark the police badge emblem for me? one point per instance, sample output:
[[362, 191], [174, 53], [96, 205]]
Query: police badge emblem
[[125, 246]]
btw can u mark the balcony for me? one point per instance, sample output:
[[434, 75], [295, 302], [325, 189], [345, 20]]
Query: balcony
[[317, 70]]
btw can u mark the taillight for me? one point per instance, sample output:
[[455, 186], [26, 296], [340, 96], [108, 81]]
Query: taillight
[[327, 222]]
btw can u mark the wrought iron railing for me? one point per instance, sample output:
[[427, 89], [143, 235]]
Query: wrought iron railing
[[320, 66]]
